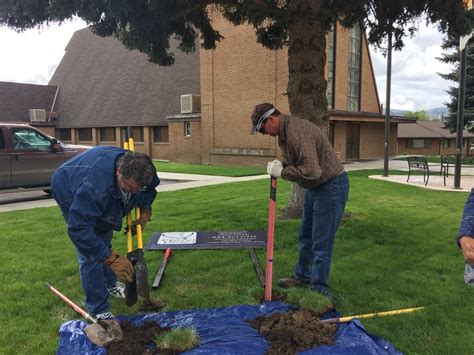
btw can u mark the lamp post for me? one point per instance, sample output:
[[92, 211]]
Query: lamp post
[[387, 104]]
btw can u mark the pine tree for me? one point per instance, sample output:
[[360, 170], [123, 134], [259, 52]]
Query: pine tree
[[450, 120]]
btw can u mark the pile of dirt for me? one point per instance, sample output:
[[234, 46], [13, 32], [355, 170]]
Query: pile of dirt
[[138, 340], [294, 331]]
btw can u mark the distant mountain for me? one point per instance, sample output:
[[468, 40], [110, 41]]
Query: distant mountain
[[434, 112]]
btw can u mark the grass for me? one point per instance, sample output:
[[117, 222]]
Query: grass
[[396, 251], [180, 339], [231, 171]]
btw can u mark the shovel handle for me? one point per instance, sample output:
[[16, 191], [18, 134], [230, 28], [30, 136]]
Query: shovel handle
[[270, 239], [71, 304]]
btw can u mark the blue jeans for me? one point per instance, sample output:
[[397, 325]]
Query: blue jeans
[[95, 278], [322, 212]]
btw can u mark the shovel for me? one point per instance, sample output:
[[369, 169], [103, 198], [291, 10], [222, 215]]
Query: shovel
[[101, 332], [270, 239], [139, 285]]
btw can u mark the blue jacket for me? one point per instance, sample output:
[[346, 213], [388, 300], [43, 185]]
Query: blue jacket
[[467, 222], [90, 199]]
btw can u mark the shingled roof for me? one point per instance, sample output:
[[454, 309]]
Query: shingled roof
[[103, 84], [17, 99], [427, 129]]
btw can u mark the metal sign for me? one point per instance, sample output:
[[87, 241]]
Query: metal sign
[[208, 240]]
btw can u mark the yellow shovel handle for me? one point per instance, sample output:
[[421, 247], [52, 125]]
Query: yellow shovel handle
[[369, 315], [139, 229]]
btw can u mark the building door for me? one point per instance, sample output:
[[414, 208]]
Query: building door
[[352, 141]]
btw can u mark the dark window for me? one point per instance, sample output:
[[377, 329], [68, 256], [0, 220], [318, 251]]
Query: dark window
[[160, 134], [331, 62], [2, 141], [418, 143], [353, 92], [84, 134], [137, 134], [446, 143], [107, 134], [187, 129], [64, 134]]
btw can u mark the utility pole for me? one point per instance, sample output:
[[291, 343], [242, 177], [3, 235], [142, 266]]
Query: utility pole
[[387, 105], [461, 98]]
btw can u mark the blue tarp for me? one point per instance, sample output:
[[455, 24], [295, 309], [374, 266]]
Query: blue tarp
[[226, 331]]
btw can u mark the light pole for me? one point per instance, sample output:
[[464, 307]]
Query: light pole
[[387, 105], [460, 114]]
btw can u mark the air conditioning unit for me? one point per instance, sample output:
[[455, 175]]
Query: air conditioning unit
[[190, 103], [37, 115]]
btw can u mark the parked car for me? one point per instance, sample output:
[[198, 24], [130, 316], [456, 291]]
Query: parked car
[[28, 157]]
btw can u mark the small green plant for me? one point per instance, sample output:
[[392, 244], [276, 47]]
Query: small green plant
[[178, 339]]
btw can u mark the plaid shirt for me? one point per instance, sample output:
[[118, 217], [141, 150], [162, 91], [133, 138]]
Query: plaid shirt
[[309, 158]]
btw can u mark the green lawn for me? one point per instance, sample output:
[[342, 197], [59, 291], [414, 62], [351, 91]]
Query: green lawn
[[231, 171], [396, 251]]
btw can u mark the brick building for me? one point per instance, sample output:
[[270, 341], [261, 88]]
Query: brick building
[[430, 138], [100, 87]]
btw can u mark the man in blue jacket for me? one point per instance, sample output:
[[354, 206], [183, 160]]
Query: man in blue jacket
[[466, 238], [94, 191]]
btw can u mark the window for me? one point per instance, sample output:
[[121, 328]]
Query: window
[[160, 134], [353, 92], [27, 139], [418, 143], [64, 134], [187, 129], [446, 143], [330, 80], [137, 134], [107, 134], [84, 134]]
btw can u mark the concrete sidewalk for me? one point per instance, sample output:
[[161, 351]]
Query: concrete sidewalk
[[176, 181]]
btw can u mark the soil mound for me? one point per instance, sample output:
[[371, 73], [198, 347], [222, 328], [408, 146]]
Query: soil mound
[[294, 331]]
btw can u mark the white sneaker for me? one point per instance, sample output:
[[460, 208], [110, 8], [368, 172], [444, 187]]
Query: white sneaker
[[104, 316], [118, 290], [469, 275]]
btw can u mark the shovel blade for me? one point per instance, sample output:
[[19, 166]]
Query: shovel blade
[[141, 276], [131, 288], [105, 332]]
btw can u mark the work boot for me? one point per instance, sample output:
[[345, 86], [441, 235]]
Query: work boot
[[117, 290], [104, 316], [292, 282]]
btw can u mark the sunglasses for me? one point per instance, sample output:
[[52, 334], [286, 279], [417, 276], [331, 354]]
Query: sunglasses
[[260, 124]]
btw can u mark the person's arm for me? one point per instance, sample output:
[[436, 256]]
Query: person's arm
[[465, 237], [86, 209]]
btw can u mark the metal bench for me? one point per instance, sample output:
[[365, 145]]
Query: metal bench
[[417, 163]]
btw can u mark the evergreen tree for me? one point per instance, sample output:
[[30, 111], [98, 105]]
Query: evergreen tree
[[300, 25], [450, 120]]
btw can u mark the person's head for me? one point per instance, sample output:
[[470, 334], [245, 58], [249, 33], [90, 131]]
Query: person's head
[[134, 171], [265, 119]]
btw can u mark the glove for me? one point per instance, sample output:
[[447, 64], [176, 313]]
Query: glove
[[274, 168], [121, 266]]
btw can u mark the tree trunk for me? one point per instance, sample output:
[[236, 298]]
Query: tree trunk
[[306, 82]]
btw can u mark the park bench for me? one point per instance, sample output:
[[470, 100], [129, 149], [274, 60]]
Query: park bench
[[418, 163]]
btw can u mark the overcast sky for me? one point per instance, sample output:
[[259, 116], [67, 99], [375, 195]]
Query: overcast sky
[[32, 57]]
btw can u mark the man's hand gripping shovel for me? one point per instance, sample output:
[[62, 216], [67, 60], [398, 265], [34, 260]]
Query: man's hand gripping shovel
[[139, 285]]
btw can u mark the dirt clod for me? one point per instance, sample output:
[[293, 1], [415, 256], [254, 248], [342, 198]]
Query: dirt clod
[[138, 340], [294, 331]]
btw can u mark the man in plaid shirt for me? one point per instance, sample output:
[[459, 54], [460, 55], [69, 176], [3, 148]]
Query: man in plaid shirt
[[310, 161]]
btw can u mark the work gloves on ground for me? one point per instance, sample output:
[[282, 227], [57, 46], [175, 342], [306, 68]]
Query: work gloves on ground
[[274, 168], [121, 266], [145, 216]]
